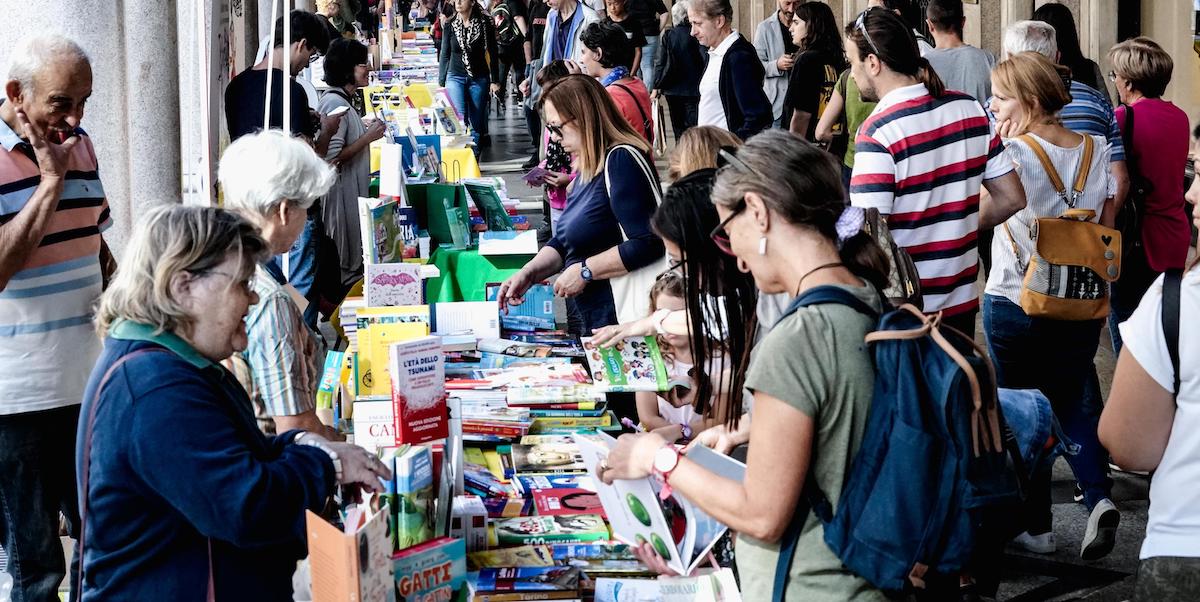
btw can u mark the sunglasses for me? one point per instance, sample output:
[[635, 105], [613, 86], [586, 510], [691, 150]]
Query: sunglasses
[[727, 158], [556, 130], [861, 25]]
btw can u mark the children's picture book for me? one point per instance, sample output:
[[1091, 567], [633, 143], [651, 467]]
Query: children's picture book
[[528, 579], [391, 284], [530, 483], [555, 502], [547, 458], [546, 529], [419, 390], [678, 530], [634, 364], [490, 204], [536, 312], [548, 395], [433, 570]]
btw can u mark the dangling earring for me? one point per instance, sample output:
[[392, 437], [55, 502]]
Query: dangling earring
[[762, 245]]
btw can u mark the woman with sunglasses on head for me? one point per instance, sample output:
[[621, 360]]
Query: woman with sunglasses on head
[[811, 377], [604, 231]]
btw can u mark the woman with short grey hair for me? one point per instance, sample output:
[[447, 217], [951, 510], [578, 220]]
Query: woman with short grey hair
[[271, 180], [181, 496]]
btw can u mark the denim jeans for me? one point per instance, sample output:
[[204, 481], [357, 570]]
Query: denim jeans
[[647, 65], [470, 95], [302, 259], [37, 482], [533, 122], [1054, 356], [1126, 293]]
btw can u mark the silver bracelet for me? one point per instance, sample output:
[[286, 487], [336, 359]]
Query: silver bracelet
[[319, 443]]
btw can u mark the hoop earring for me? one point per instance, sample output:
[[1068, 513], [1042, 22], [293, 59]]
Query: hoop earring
[[762, 245]]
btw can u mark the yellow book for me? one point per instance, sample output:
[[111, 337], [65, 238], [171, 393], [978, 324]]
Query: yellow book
[[494, 465], [373, 344], [474, 455]]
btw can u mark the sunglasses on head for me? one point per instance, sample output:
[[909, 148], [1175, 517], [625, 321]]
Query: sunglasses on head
[[861, 25]]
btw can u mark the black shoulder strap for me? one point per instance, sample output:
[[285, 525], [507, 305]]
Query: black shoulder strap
[[646, 124], [1170, 319], [1127, 140]]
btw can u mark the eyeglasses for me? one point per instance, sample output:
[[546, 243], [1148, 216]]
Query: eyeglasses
[[672, 266], [314, 57], [726, 158], [1112, 76], [556, 130], [861, 25], [719, 236], [247, 285]]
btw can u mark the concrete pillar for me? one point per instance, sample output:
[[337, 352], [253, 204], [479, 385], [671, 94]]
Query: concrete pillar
[[130, 117], [1170, 24]]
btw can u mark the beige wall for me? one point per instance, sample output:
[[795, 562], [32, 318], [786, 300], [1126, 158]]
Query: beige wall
[[1169, 22]]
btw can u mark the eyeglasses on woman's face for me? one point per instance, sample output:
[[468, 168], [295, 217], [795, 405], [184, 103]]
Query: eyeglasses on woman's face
[[556, 129], [719, 236]]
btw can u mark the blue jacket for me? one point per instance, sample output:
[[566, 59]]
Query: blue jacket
[[177, 462], [747, 110]]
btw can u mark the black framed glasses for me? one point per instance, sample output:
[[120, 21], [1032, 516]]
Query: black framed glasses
[[556, 130], [861, 25], [719, 236]]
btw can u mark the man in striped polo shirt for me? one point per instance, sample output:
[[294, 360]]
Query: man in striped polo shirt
[[52, 211], [921, 158]]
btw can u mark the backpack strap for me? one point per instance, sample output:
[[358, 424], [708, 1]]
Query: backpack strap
[[1170, 319]]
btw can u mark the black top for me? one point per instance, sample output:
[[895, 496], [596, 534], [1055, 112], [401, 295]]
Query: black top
[[679, 62], [246, 94], [809, 80], [482, 46], [633, 31], [789, 47], [538, 12], [645, 13], [747, 110]]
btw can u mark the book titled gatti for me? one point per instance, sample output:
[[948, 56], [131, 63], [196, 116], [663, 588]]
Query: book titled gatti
[[419, 390]]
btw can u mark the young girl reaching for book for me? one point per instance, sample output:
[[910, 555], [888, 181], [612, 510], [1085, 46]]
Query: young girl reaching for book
[[669, 413]]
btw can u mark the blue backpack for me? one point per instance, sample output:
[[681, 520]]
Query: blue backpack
[[933, 466]]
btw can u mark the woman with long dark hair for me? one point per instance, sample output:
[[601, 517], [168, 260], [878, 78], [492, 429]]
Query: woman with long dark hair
[[1083, 69], [815, 72], [811, 378], [465, 71]]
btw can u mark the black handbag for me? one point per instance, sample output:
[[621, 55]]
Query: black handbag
[[1129, 218]]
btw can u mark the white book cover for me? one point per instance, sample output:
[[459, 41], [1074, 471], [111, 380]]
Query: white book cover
[[374, 425], [480, 318], [393, 284]]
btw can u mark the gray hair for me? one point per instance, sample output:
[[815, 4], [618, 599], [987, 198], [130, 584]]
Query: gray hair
[[1031, 36], [679, 12], [169, 240], [260, 171], [34, 53]]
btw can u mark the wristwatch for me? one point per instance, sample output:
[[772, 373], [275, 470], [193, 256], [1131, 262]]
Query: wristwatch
[[585, 272], [319, 443], [666, 459]]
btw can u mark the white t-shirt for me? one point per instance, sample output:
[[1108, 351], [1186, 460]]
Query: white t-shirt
[[712, 111], [682, 415], [1173, 527]]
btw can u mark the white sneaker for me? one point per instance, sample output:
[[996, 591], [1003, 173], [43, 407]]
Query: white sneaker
[[1101, 533], [1043, 543]]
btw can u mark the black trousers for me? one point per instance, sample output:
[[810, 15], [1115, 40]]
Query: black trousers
[[685, 113]]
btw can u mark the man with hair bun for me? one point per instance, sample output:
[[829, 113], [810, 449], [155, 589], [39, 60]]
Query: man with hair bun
[[53, 265]]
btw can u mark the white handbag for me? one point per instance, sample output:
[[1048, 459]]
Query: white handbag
[[631, 292]]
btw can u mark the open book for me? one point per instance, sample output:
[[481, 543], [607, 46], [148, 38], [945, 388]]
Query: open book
[[678, 530]]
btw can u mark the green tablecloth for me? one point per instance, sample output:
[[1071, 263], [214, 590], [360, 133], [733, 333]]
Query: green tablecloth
[[465, 274]]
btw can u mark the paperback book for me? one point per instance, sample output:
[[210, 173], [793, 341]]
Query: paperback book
[[433, 570], [392, 284], [634, 364], [419, 391], [559, 502], [536, 312], [530, 483], [550, 529], [547, 458], [543, 583]]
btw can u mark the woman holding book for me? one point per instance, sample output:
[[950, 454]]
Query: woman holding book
[[182, 497], [811, 378], [604, 233], [349, 151]]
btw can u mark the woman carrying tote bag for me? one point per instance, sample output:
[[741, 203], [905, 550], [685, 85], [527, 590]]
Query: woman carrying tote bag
[[604, 250]]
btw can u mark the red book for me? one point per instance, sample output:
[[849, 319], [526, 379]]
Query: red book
[[551, 502], [419, 390]]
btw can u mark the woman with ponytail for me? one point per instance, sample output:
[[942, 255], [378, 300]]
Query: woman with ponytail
[[811, 378], [920, 158]]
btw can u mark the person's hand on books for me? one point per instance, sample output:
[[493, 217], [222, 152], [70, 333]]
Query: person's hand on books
[[610, 335], [720, 439], [646, 554], [359, 467], [570, 282], [631, 458], [557, 179], [512, 290]]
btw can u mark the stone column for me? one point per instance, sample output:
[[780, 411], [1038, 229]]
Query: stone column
[[131, 117]]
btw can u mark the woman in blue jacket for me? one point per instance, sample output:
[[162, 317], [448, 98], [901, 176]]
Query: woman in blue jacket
[[181, 496]]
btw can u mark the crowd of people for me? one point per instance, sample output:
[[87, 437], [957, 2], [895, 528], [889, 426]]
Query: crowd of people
[[186, 377]]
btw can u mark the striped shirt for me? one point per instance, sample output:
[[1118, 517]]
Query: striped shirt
[[1042, 200], [922, 160], [47, 342], [282, 351]]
